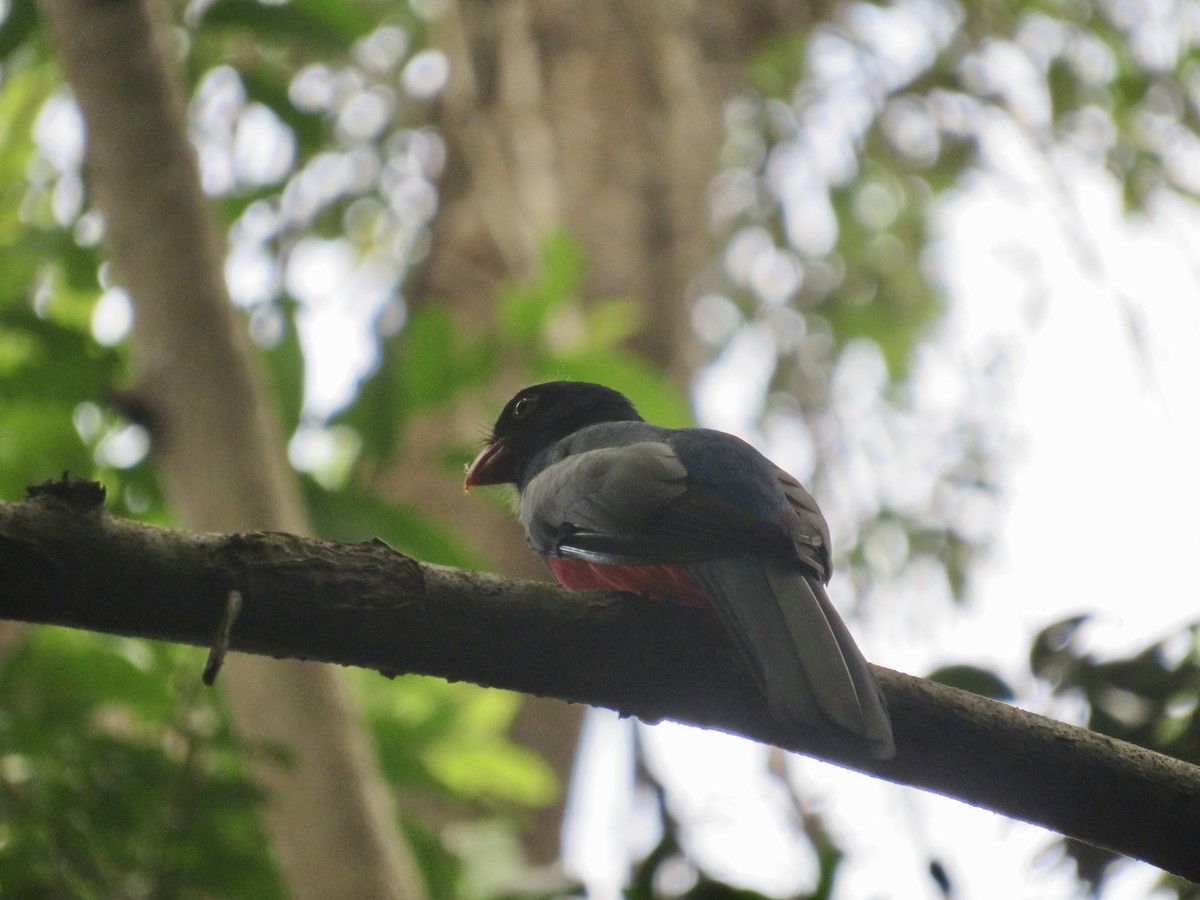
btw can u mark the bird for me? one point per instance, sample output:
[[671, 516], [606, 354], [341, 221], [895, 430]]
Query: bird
[[694, 516]]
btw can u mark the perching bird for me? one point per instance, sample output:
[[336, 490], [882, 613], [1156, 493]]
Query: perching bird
[[696, 516]]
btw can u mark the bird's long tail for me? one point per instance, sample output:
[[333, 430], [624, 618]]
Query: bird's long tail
[[798, 647]]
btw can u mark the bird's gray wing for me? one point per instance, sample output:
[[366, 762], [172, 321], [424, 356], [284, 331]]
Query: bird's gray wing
[[636, 503], [606, 492], [806, 526]]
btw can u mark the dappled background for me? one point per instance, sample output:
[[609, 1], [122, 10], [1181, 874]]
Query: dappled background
[[938, 260]]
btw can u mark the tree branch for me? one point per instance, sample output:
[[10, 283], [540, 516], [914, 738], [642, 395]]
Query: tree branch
[[64, 561], [219, 446]]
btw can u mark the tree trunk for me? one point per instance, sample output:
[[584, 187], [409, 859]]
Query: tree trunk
[[605, 124], [604, 120], [218, 446]]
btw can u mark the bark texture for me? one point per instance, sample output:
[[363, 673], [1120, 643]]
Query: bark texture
[[219, 450], [68, 563], [603, 120]]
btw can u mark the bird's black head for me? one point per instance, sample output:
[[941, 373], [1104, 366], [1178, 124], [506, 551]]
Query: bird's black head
[[537, 417]]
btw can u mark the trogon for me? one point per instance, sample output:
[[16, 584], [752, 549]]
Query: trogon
[[695, 516]]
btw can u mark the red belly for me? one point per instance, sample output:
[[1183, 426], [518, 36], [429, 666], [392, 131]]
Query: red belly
[[659, 582]]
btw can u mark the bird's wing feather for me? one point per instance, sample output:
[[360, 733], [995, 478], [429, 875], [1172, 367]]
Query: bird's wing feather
[[805, 525], [637, 503], [608, 490], [795, 642]]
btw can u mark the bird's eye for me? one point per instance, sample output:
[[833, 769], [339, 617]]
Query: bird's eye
[[524, 407]]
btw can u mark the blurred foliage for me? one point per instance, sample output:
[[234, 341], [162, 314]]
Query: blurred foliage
[[837, 161], [850, 137], [119, 778], [119, 774], [1149, 699], [974, 679], [667, 871]]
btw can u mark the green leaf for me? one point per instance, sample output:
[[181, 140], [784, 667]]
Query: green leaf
[[613, 320], [377, 413], [436, 360], [1051, 656], [979, 681], [58, 361], [1064, 87], [355, 515], [494, 769], [78, 671], [285, 365], [324, 26], [778, 62], [453, 737], [428, 358], [113, 776], [18, 27], [657, 399], [430, 363], [955, 157], [25, 89], [38, 441], [522, 311]]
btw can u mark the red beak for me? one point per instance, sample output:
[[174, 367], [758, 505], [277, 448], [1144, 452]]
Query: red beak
[[483, 470]]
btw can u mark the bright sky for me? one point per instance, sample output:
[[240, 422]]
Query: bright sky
[[1099, 516]]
